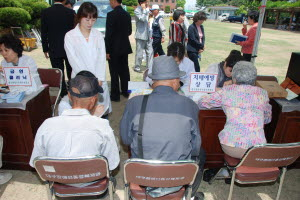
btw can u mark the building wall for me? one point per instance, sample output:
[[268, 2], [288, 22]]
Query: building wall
[[164, 3]]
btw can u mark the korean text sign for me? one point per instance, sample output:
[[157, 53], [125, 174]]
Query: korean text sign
[[203, 82], [17, 76]]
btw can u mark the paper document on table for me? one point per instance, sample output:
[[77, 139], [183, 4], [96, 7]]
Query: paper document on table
[[291, 95], [134, 85]]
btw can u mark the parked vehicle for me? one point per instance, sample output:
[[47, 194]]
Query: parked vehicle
[[240, 18], [223, 17], [103, 7]]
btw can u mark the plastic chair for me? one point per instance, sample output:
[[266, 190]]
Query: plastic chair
[[261, 163], [139, 173], [59, 172], [53, 78]]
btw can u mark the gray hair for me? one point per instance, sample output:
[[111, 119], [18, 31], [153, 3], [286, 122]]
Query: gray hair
[[244, 73]]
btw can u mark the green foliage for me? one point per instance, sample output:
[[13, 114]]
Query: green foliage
[[130, 2], [210, 2], [130, 10], [37, 9], [180, 3], [13, 17], [167, 9], [282, 4], [10, 3]]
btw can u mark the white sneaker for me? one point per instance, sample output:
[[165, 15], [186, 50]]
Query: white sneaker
[[5, 177], [223, 173], [137, 69]]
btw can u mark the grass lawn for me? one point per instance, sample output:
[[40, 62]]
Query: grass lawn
[[274, 52]]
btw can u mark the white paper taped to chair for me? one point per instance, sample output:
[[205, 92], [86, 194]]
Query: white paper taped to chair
[[48, 168]]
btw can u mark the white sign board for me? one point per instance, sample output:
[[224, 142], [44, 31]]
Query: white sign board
[[203, 82], [17, 76]]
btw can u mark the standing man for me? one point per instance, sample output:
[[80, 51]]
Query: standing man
[[56, 21], [142, 36], [118, 30], [158, 31]]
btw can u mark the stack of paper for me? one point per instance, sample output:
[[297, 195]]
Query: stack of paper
[[14, 97]]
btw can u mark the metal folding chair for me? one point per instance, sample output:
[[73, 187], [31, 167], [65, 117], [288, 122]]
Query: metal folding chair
[[261, 163], [59, 172], [53, 78], [140, 173]]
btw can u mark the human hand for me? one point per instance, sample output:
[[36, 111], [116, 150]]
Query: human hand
[[107, 56], [245, 24], [100, 83], [238, 43], [218, 89], [99, 110], [201, 50], [162, 40], [46, 55], [229, 82]]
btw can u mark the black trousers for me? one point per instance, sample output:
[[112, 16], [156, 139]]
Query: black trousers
[[247, 57], [157, 47], [194, 57], [118, 68], [60, 64], [201, 161]]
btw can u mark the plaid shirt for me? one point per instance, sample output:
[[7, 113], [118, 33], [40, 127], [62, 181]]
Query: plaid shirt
[[176, 33]]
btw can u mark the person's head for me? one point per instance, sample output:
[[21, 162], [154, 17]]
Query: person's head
[[68, 4], [244, 73], [178, 16], [176, 49], [199, 18], [87, 15], [115, 3], [11, 48], [155, 10], [165, 71], [61, 1], [230, 61], [235, 52], [83, 92], [86, 74], [253, 17], [142, 1]]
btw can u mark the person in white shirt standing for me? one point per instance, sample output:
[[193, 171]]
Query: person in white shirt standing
[[158, 31], [85, 48], [76, 132]]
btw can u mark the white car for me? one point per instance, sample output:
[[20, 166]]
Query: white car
[[223, 17]]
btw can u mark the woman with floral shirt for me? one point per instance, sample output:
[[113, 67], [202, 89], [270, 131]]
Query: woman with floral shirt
[[246, 107]]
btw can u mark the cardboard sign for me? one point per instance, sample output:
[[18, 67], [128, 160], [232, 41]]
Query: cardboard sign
[[203, 82], [17, 76]]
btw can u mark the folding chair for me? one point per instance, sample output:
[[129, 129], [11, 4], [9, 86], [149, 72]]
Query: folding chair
[[261, 163], [53, 78], [139, 173], [59, 172]]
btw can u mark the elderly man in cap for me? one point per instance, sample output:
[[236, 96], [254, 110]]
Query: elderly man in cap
[[76, 132], [158, 31], [170, 129]]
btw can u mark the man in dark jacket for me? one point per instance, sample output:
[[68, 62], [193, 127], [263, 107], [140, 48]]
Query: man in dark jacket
[[56, 21], [118, 30]]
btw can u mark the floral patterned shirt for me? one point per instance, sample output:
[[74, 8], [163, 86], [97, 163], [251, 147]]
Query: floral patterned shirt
[[247, 109]]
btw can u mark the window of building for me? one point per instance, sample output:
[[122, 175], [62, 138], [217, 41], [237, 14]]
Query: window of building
[[173, 1], [167, 1], [161, 1], [156, 0], [151, 0]]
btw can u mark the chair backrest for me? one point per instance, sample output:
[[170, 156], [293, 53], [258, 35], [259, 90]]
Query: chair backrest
[[52, 77], [271, 155], [155, 173], [72, 170]]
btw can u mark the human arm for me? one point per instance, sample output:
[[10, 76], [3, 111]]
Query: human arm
[[212, 100], [196, 136], [267, 109], [100, 62], [109, 33], [251, 38], [129, 25], [193, 40], [244, 29], [162, 27], [125, 125], [44, 34], [39, 147], [141, 14]]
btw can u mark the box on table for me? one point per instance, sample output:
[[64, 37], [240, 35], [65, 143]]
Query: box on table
[[273, 88]]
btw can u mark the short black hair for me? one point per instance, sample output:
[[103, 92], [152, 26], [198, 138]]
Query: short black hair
[[68, 2], [254, 15], [177, 14], [141, 1], [86, 73], [12, 42], [119, 1], [87, 9], [176, 49], [233, 58], [58, 0], [199, 16]]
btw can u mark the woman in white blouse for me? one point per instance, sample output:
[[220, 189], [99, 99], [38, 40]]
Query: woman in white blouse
[[85, 48]]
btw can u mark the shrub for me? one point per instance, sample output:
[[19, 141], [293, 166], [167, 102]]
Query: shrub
[[13, 17], [37, 9], [167, 9], [130, 10], [10, 3]]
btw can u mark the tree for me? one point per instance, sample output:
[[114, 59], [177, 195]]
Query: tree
[[167, 9], [129, 2], [180, 3]]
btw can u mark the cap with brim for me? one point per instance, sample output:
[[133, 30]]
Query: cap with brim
[[86, 86], [164, 68], [155, 7]]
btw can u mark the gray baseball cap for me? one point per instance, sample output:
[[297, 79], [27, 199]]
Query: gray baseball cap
[[164, 68]]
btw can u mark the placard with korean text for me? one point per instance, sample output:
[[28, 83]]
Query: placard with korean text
[[203, 82], [17, 76]]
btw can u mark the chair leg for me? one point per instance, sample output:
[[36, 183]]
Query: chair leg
[[189, 194], [126, 192], [215, 176], [281, 182], [231, 185], [111, 190]]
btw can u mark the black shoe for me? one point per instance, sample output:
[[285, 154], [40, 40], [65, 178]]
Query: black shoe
[[115, 99], [125, 94], [199, 196]]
